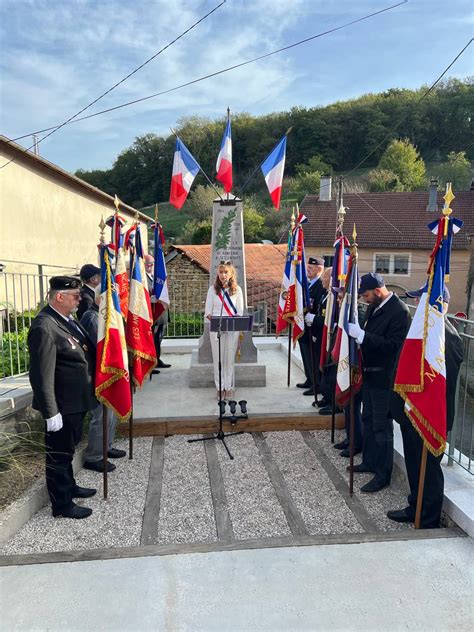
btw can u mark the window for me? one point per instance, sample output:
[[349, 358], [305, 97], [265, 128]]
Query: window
[[328, 259], [388, 263]]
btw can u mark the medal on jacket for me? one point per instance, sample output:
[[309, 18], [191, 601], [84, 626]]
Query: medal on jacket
[[71, 342]]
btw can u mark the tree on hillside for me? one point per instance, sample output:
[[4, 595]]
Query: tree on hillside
[[456, 170], [402, 159], [199, 203]]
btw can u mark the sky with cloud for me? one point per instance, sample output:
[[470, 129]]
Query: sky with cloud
[[59, 55]]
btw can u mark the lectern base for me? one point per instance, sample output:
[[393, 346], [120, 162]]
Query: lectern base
[[246, 374]]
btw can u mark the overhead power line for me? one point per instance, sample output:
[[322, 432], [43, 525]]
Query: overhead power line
[[222, 71], [72, 118]]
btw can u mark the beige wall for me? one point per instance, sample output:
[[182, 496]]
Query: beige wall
[[44, 218], [417, 274]]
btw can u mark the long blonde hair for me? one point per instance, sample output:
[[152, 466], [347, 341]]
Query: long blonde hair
[[232, 283]]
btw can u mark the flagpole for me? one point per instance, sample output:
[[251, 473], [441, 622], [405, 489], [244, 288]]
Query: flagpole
[[333, 413], [351, 437], [105, 449], [421, 486], [258, 167], [203, 173], [290, 331], [130, 419]]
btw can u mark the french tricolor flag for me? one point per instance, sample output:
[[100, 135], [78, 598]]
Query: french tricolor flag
[[272, 169], [224, 160], [185, 169]]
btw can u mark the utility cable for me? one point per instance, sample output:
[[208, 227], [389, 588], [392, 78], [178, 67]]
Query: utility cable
[[73, 118], [223, 70]]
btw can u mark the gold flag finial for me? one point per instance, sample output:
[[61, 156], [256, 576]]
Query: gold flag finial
[[354, 233], [102, 226], [156, 212], [448, 198], [116, 202], [293, 218]]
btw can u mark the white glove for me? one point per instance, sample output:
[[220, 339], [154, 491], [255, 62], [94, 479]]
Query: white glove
[[153, 299], [54, 423], [356, 331], [308, 319]]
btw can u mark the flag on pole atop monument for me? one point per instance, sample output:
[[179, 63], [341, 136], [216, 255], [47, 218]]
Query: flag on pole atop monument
[[346, 352], [272, 168], [140, 341], [224, 160], [421, 374], [112, 377], [160, 276], [185, 169]]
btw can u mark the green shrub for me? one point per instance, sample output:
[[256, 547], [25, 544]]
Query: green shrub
[[185, 325], [15, 357]]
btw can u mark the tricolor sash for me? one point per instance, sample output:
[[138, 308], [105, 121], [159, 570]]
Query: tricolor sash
[[229, 306]]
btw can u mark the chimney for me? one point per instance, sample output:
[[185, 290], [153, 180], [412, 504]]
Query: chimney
[[433, 195], [325, 186]]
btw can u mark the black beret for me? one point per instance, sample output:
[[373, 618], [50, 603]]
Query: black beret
[[64, 283], [88, 271], [316, 261], [371, 281]]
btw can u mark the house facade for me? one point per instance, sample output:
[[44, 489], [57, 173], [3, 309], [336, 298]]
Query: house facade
[[393, 237]]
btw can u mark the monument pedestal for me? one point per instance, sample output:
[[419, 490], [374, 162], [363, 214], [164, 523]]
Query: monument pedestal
[[246, 373]]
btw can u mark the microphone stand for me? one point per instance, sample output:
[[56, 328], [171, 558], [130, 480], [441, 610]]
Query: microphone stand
[[221, 435]]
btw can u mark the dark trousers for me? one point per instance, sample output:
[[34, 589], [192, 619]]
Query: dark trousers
[[434, 480], [59, 447], [377, 447], [306, 357], [328, 382], [357, 420], [158, 334]]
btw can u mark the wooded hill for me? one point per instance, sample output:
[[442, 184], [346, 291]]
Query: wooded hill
[[341, 134]]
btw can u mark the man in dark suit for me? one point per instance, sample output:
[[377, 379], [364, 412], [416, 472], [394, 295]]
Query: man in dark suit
[[160, 321], [385, 328], [61, 376], [90, 277], [314, 270], [433, 491]]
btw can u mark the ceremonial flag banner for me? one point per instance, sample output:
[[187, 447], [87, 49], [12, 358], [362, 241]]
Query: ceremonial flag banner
[[346, 352], [421, 372], [112, 377], [224, 160], [185, 169], [140, 341], [116, 223], [331, 315], [294, 297], [272, 168], [160, 277]]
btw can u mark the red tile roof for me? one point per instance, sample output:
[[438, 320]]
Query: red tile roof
[[261, 260], [385, 220]]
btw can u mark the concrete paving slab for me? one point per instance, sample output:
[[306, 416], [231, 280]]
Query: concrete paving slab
[[169, 394], [390, 586]]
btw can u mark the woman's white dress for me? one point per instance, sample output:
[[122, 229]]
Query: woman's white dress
[[229, 340]]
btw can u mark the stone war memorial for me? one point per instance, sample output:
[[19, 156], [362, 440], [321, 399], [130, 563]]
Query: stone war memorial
[[236, 387]]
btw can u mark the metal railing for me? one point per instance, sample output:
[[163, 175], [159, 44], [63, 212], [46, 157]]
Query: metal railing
[[22, 295]]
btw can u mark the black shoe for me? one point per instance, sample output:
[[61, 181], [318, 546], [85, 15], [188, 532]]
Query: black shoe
[[73, 511], [83, 492], [115, 453], [346, 452], [98, 466], [324, 402], [163, 365], [358, 469], [374, 485], [155, 372], [304, 385], [310, 391], [341, 445], [326, 410], [401, 515]]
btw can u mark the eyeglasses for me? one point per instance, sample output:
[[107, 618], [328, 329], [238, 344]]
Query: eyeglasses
[[71, 293], [225, 263]]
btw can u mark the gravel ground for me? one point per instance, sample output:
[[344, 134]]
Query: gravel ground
[[115, 522], [186, 512], [321, 506], [253, 506], [377, 504]]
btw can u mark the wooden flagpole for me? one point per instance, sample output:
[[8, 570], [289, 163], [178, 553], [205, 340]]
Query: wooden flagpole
[[105, 450], [421, 486], [290, 331]]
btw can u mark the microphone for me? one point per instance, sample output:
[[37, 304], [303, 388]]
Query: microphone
[[243, 406]]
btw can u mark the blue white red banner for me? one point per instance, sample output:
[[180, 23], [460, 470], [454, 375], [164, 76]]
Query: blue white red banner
[[185, 169], [272, 168], [224, 160]]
